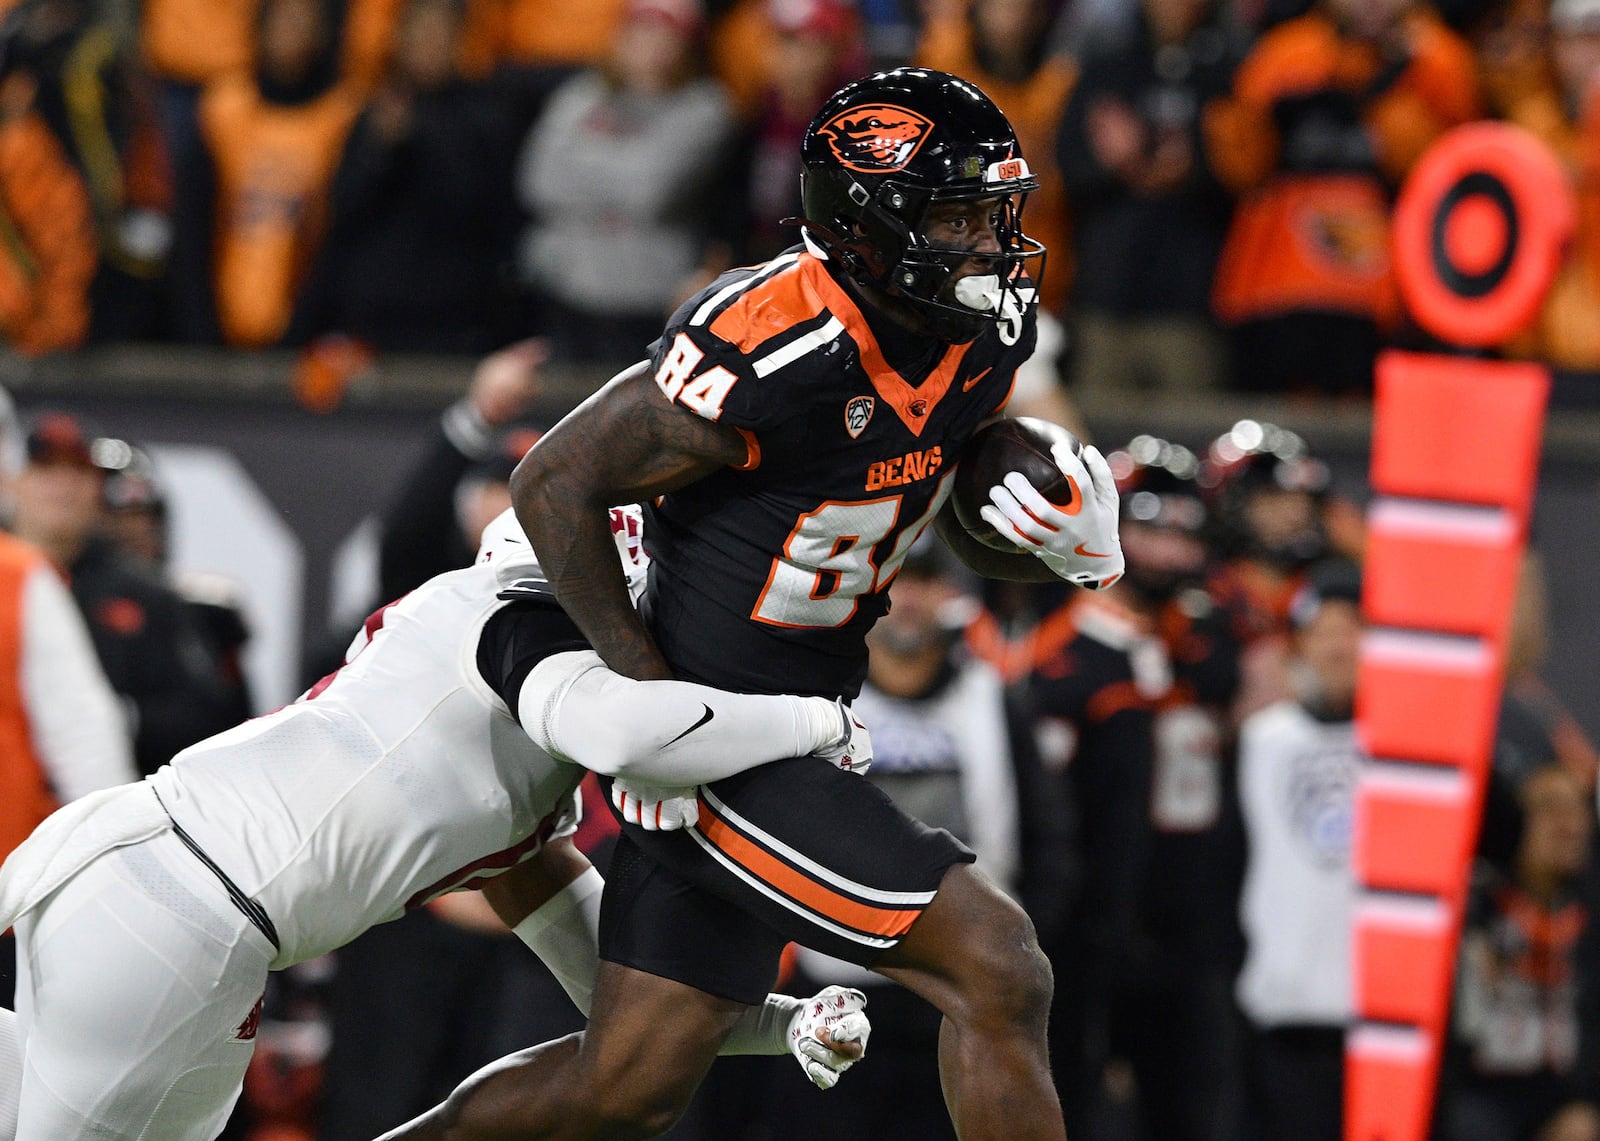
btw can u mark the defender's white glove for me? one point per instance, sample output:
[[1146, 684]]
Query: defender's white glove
[[831, 1017], [852, 752], [655, 807], [1082, 546]]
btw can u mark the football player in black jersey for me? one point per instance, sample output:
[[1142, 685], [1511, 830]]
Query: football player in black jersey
[[796, 429]]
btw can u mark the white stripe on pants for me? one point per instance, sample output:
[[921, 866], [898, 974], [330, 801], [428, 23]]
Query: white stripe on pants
[[133, 982]]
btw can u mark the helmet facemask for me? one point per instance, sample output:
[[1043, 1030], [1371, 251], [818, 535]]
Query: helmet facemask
[[1268, 492], [880, 239], [885, 151]]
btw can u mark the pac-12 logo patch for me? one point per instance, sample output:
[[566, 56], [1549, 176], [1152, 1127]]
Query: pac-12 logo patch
[[856, 415], [876, 138]]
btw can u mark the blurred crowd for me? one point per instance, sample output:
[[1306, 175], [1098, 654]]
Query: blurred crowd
[[1163, 773], [359, 176]]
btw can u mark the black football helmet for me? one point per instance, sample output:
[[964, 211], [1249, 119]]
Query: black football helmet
[[131, 482], [1254, 456], [879, 153], [1158, 487]]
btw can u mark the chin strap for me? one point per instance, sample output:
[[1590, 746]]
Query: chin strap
[[978, 297], [826, 245]]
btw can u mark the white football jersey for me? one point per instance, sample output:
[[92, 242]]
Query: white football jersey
[[399, 777]]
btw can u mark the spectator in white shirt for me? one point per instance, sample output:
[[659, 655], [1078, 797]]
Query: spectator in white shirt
[[1298, 762]]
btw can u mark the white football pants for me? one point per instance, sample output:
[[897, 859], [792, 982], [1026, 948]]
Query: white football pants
[[137, 992], [10, 1074]]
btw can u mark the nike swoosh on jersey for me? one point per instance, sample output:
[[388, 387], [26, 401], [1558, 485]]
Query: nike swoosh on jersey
[[967, 386], [704, 720], [1088, 554]]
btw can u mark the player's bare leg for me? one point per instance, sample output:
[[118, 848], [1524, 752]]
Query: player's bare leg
[[492, 1097], [974, 955], [631, 1075]]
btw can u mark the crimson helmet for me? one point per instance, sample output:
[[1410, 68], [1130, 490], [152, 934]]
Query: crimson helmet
[[879, 153]]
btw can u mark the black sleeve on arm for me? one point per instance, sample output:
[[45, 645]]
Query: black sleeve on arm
[[420, 535], [519, 637]]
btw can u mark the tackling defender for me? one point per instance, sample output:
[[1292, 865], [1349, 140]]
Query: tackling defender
[[800, 422], [444, 752]]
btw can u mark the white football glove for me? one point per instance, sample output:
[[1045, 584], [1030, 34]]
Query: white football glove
[[831, 1017], [655, 807], [852, 752], [1081, 547]]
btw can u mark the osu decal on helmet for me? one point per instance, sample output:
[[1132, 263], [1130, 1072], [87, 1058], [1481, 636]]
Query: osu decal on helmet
[[879, 154]]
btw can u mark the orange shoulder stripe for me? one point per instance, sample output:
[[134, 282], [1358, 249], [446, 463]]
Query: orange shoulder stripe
[[1115, 698], [801, 293], [767, 309], [1054, 634]]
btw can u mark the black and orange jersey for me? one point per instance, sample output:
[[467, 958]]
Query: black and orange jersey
[[1255, 597], [1203, 643], [766, 577], [1190, 902], [1084, 671], [1091, 694]]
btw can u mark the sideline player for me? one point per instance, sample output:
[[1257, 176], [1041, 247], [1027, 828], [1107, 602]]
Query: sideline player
[[800, 420], [148, 916]]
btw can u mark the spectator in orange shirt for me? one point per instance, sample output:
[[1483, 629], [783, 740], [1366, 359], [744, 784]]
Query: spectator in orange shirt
[[48, 258], [535, 33], [1561, 105], [275, 138], [1004, 47], [187, 44], [1512, 42], [1329, 112], [191, 45], [97, 100]]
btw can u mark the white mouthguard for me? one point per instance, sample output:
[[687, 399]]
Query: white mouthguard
[[980, 292]]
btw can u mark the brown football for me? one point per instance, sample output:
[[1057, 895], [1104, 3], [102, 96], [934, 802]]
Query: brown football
[[1021, 444]]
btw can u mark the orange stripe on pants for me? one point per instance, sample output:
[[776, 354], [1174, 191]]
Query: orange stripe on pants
[[889, 923]]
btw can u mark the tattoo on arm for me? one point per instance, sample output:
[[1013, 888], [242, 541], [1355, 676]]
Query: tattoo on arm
[[626, 443]]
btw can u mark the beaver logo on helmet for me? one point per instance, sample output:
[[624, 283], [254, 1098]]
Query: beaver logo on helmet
[[878, 155], [876, 138]]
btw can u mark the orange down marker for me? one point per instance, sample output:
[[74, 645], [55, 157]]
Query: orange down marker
[[1478, 234]]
